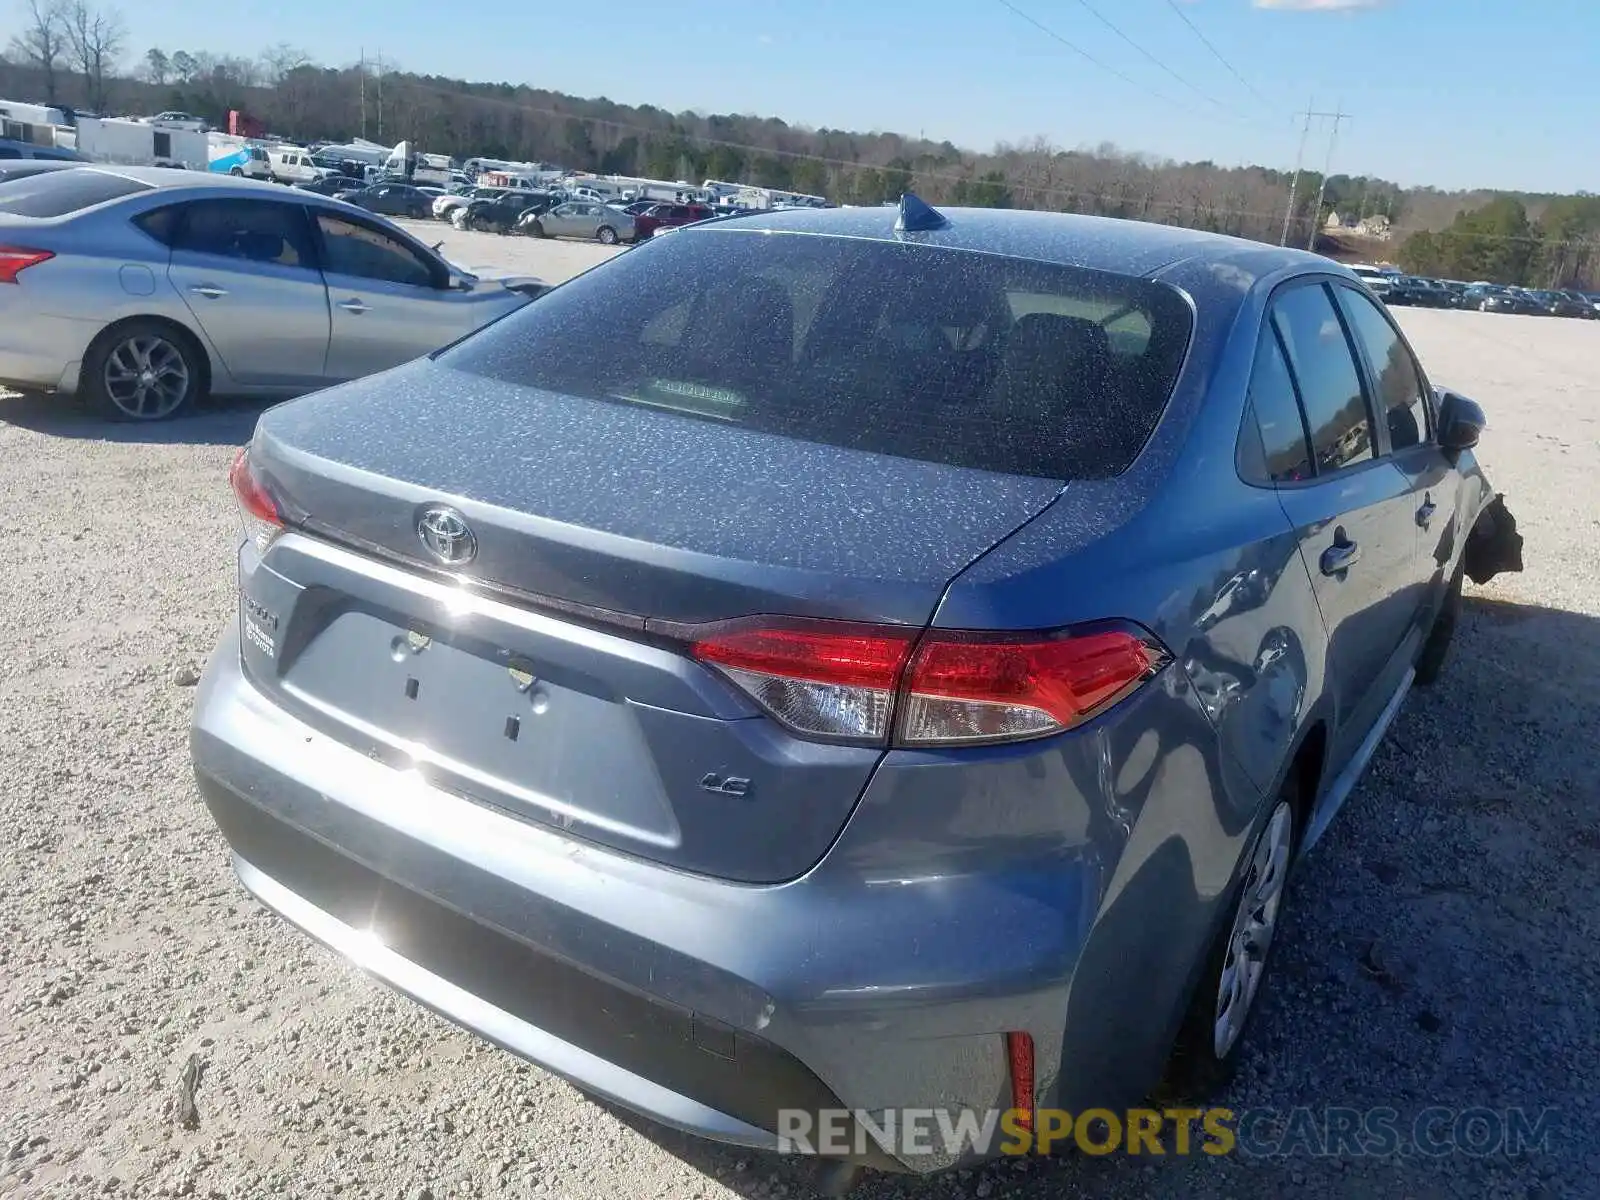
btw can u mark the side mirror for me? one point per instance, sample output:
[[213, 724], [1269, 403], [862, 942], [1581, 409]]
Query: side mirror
[[461, 281], [1461, 423]]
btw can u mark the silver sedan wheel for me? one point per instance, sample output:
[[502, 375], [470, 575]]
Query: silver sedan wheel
[[1254, 923], [146, 377]]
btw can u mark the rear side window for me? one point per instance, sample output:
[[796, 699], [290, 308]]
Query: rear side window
[[1400, 397], [948, 356], [61, 193], [1330, 386]]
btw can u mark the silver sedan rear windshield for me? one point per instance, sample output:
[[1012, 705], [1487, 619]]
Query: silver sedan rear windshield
[[950, 356]]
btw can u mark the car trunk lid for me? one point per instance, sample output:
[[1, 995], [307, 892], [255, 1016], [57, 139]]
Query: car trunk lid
[[554, 686]]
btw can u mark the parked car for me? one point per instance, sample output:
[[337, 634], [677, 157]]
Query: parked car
[[497, 214], [391, 199], [12, 150], [1586, 304], [1458, 292], [667, 216], [1379, 281], [1492, 297], [1420, 292], [445, 206], [949, 741], [332, 185], [143, 290], [585, 219], [1558, 304]]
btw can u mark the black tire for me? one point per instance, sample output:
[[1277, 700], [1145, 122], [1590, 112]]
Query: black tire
[[535, 229], [606, 235], [1436, 650], [237, 172], [1196, 1068], [105, 384]]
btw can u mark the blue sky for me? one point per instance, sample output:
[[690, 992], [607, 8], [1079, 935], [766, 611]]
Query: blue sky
[[1455, 93]]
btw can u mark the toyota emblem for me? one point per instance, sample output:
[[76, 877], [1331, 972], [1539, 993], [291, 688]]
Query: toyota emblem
[[446, 535]]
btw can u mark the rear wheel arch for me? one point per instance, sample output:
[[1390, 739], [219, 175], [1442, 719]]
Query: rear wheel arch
[[192, 341]]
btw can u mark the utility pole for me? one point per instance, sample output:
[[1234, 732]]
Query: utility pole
[[1339, 118], [1310, 115], [1299, 162], [380, 97], [363, 93]]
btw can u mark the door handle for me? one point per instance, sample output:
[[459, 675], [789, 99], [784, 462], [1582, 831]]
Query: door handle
[[353, 306], [1340, 556], [1425, 513], [209, 290]]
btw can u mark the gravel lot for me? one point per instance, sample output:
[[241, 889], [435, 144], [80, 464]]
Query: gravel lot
[[1443, 948]]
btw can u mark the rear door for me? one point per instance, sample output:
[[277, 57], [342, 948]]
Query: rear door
[[247, 269], [1353, 516], [1405, 399], [388, 301]]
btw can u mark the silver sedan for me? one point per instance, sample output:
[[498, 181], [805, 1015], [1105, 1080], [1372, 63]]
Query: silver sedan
[[585, 219], [143, 290]]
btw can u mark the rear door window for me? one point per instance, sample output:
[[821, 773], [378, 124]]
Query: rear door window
[[949, 356], [61, 193], [1324, 368], [260, 231]]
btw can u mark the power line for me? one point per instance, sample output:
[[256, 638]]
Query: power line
[[1082, 53], [1109, 24], [1126, 78], [1206, 42]]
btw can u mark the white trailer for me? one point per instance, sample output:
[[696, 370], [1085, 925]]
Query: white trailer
[[130, 143]]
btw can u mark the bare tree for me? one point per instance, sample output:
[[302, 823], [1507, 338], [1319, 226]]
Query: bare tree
[[94, 38], [279, 61], [157, 66], [42, 44], [184, 67]]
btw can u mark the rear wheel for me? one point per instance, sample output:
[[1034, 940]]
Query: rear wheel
[[142, 370], [1207, 1051], [606, 235], [535, 229], [238, 171]]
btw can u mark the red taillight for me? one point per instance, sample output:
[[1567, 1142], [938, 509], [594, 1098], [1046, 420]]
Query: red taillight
[[987, 688], [262, 520], [1019, 1057], [862, 682], [16, 259]]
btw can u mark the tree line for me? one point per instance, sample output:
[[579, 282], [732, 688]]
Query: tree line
[[70, 51]]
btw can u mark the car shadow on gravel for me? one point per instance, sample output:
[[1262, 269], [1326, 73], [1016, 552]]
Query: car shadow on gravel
[[1405, 979], [219, 422]]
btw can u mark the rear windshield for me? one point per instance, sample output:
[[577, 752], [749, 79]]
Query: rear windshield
[[57, 193], [949, 356]]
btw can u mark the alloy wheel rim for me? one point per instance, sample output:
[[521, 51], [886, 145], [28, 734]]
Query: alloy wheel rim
[[146, 377], [1255, 921]]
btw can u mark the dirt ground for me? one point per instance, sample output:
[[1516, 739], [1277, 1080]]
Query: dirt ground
[[1443, 948]]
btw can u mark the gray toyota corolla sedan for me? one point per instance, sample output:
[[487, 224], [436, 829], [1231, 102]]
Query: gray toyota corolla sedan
[[894, 668]]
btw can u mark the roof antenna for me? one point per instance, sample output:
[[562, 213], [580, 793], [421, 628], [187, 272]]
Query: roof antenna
[[918, 216]]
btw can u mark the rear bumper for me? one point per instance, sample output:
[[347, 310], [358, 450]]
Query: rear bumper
[[706, 1006], [39, 351]]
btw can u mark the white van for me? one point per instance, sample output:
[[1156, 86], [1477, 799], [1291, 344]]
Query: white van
[[293, 165]]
